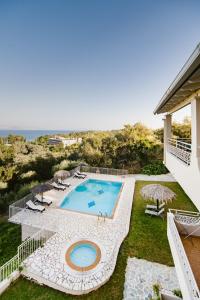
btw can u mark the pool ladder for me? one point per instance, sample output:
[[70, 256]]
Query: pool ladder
[[103, 216]]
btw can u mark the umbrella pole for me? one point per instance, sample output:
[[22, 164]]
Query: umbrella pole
[[157, 205]]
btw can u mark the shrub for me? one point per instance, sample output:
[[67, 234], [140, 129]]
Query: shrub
[[28, 175], [155, 168], [156, 291], [5, 200], [25, 189], [3, 185], [178, 293], [10, 197], [55, 168]]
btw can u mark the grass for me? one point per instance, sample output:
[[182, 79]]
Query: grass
[[147, 239], [10, 238]]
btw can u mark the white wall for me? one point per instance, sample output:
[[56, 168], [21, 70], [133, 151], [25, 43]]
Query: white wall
[[179, 266], [187, 176]]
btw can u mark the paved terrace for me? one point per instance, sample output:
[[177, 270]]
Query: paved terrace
[[141, 275], [47, 265]]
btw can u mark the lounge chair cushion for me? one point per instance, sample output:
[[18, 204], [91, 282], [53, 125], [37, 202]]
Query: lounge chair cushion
[[58, 186], [79, 176], [64, 183], [32, 206], [154, 207], [154, 213], [44, 200]]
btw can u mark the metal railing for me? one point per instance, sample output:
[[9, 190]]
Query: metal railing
[[106, 171], [186, 213], [34, 242], [9, 267], [23, 251], [185, 265], [186, 217], [181, 148]]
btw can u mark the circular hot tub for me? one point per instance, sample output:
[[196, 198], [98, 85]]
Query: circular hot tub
[[83, 255]]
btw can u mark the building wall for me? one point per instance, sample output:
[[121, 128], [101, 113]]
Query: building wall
[[64, 141], [187, 176]]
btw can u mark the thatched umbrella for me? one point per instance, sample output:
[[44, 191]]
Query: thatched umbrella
[[158, 193], [61, 174], [40, 189]]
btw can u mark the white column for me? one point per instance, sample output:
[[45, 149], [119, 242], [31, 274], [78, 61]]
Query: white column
[[167, 132], [195, 132]]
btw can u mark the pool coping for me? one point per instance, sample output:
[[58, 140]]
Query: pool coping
[[90, 214], [83, 269]]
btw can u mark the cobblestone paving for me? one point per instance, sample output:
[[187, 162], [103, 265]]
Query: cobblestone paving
[[164, 177], [141, 275]]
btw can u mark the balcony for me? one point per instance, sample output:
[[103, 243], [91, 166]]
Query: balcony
[[181, 148], [183, 231]]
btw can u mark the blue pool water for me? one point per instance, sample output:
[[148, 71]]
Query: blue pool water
[[83, 255], [93, 196]]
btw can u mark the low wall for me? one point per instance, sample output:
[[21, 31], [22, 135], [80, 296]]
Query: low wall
[[6, 283], [179, 265]]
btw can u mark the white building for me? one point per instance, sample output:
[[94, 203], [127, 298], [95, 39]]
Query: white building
[[182, 158], [65, 141]]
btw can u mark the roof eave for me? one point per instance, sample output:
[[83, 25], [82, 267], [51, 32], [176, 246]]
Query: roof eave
[[187, 70]]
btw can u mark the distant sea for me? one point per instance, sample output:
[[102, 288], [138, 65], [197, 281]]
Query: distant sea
[[31, 135]]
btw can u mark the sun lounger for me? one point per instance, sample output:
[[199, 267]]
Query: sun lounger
[[66, 184], [43, 200], [57, 186], [155, 213], [32, 206], [154, 207], [79, 176]]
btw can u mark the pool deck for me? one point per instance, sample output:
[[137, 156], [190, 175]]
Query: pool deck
[[47, 265]]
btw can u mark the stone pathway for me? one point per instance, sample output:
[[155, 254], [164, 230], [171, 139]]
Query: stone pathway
[[164, 177], [141, 275]]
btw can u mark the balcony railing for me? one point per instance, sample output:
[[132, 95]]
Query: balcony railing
[[184, 262], [186, 217], [181, 148]]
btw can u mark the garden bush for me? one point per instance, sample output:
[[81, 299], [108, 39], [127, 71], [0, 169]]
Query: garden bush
[[155, 168]]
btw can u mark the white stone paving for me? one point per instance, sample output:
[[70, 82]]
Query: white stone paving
[[47, 265], [141, 275], [163, 177]]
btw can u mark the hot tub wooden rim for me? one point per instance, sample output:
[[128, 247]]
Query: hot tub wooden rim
[[83, 269]]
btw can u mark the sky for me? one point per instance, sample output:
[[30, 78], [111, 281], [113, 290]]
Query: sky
[[88, 64]]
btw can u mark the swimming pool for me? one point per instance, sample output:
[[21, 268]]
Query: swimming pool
[[93, 197]]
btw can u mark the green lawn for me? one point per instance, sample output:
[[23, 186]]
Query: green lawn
[[10, 238], [147, 239]]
